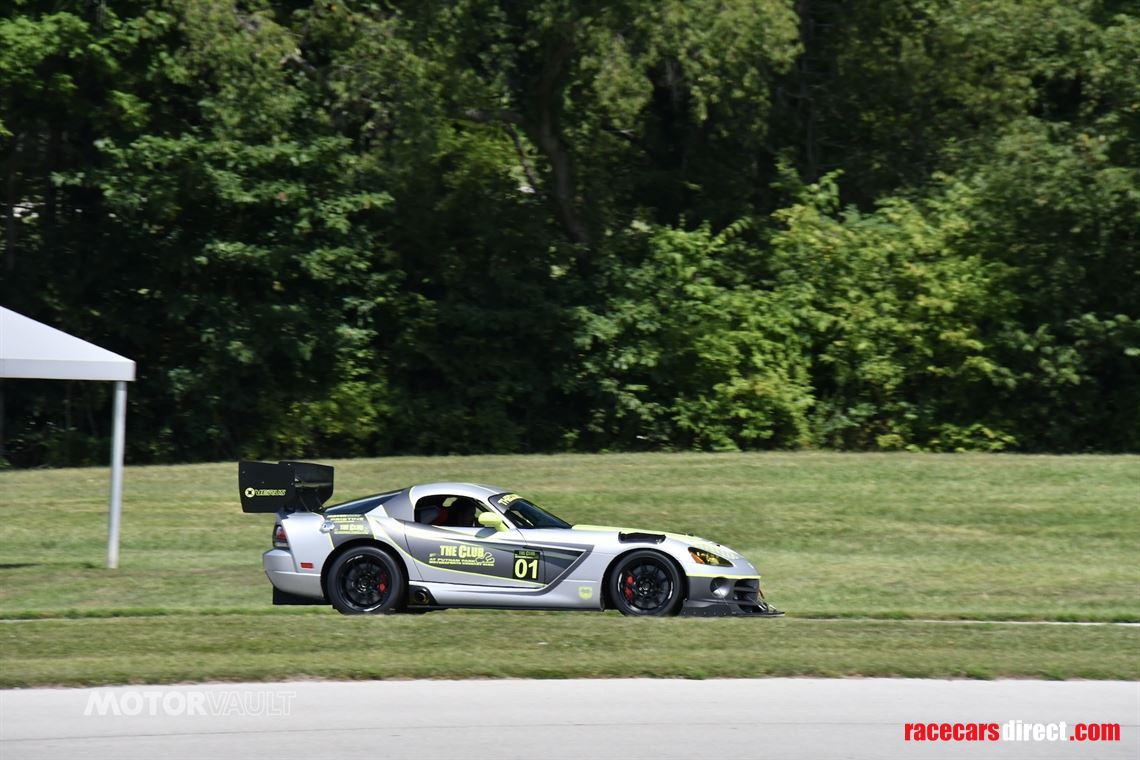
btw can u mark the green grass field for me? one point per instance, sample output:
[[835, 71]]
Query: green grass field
[[900, 539]]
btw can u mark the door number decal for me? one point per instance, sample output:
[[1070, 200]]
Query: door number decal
[[526, 564]]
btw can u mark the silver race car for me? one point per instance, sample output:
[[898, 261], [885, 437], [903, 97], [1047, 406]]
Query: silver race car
[[442, 545]]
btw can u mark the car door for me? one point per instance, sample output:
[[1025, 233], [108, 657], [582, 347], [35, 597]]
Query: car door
[[470, 555], [555, 550]]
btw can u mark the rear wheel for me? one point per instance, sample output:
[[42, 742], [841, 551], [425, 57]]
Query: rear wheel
[[366, 580], [646, 583]]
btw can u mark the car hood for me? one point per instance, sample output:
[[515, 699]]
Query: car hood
[[682, 538]]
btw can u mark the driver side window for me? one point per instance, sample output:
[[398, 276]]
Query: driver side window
[[448, 511]]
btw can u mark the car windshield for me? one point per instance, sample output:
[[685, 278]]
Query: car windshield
[[524, 514]]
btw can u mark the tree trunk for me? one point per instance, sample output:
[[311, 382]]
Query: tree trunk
[[547, 137], [806, 104], [10, 207]]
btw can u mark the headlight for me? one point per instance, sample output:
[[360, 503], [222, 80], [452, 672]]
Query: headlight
[[702, 557]]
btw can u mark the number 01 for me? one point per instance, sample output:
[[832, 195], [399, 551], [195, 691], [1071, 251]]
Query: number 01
[[526, 568]]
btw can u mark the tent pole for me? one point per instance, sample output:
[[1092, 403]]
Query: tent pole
[[118, 427]]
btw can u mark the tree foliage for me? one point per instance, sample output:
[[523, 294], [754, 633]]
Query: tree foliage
[[331, 228]]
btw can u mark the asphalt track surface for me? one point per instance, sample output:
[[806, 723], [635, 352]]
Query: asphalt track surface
[[780, 718]]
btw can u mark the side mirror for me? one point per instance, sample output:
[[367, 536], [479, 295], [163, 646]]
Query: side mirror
[[492, 520]]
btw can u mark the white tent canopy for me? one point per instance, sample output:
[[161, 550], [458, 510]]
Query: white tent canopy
[[31, 349]]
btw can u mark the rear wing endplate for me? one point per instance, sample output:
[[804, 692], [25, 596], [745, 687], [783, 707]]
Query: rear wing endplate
[[268, 487]]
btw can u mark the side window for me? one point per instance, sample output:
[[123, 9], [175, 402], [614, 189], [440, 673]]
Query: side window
[[447, 511]]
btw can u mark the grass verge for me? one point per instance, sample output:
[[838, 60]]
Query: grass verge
[[477, 644], [887, 537]]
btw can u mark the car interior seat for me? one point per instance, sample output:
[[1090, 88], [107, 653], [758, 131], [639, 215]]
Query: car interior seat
[[463, 515]]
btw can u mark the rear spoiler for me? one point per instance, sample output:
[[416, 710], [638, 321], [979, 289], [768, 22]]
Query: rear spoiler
[[268, 487]]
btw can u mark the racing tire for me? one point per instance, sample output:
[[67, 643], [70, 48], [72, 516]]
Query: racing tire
[[366, 580], [646, 583]]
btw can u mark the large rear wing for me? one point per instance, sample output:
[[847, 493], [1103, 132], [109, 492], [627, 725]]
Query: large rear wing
[[268, 487]]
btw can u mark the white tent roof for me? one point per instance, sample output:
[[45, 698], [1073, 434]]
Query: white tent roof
[[31, 349]]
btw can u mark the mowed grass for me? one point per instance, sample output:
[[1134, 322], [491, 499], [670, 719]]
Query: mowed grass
[[898, 538], [493, 644]]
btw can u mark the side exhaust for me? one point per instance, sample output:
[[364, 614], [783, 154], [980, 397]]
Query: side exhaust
[[419, 596]]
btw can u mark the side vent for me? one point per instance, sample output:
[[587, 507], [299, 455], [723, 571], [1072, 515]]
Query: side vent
[[640, 538]]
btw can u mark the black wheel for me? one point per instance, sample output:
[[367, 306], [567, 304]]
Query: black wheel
[[646, 583], [366, 580]]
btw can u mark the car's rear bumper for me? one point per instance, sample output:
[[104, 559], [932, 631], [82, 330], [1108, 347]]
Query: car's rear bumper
[[281, 571]]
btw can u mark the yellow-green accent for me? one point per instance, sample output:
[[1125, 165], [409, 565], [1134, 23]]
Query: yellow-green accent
[[481, 575], [492, 520]]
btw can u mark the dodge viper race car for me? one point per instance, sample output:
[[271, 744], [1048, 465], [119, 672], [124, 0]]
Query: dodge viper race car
[[442, 545]]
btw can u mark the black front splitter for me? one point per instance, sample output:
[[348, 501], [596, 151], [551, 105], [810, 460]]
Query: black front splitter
[[760, 609]]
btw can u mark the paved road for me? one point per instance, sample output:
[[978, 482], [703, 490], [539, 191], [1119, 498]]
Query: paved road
[[488, 720]]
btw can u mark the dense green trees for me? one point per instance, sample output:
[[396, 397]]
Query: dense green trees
[[337, 228]]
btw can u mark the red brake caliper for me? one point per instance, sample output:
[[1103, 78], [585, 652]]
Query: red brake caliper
[[383, 585], [627, 588]]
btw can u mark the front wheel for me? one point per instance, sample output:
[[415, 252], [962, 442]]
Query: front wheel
[[365, 580], [646, 583]]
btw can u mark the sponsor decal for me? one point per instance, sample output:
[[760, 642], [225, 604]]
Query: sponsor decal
[[505, 500], [585, 592], [346, 525], [461, 555], [251, 492]]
